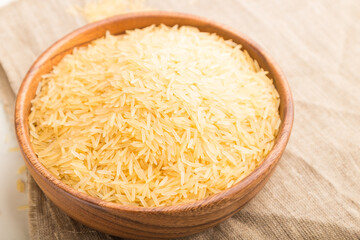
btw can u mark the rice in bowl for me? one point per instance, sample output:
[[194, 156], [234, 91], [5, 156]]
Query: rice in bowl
[[155, 117]]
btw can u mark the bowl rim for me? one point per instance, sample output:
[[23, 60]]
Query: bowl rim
[[268, 163]]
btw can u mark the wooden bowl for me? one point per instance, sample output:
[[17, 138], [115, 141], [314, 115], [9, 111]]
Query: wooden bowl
[[151, 222]]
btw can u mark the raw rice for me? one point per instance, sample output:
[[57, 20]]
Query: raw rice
[[20, 186], [157, 116]]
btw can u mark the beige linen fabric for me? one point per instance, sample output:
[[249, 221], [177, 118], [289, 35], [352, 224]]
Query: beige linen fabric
[[315, 191]]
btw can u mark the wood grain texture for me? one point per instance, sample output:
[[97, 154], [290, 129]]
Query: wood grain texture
[[153, 222]]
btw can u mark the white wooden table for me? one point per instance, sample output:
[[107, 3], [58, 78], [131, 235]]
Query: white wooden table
[[13, 223]]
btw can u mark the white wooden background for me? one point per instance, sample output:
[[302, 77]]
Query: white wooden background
[[13, 223]]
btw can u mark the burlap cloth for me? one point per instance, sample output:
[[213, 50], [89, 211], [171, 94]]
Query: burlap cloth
[[315, 191]]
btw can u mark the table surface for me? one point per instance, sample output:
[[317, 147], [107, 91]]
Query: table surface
[[13, 223]]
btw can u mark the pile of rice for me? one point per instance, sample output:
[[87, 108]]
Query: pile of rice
[[157, 116]]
